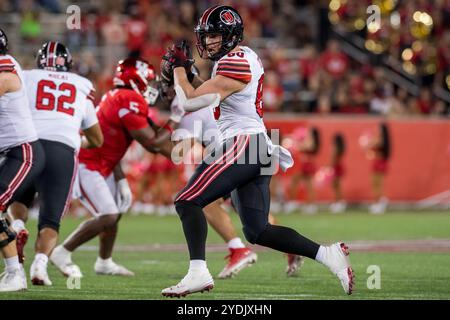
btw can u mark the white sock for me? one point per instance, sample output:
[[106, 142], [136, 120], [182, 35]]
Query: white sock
[[12, 263], [197, 265], [320, 257], [64, 251], [66, 254], [18, 225], [42, 257], [104, 261], [236, 243]]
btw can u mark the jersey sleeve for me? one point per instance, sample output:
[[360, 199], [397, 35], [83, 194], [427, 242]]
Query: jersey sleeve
[[91, 96], [132, 114], [90, 118], [87, 88], [7, 65], [236, 68]]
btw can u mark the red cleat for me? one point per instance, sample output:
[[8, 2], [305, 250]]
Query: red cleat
[[21, 241], [295, 262], [238, 259]]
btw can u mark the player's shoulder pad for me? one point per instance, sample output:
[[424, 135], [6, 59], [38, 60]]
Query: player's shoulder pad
[[84, 84], [30, 73], [235, 65]]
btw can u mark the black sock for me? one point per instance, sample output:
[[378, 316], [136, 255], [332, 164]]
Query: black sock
[[195, 228], [287, 240]]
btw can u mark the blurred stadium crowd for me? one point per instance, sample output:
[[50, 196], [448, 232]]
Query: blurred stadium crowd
[[320, 56], [311, 49]]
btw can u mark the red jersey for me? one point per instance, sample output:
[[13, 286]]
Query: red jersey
[[120, 111]]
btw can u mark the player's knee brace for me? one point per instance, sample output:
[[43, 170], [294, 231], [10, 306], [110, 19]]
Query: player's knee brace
[[5, 231]]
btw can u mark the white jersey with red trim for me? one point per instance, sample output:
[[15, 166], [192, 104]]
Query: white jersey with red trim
[[61, 103], [241, 112], [16, 124]]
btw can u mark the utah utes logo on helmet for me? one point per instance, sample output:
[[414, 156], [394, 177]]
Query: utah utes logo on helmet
[[228, 17]]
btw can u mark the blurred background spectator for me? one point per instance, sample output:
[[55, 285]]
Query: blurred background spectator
[[320, 56]]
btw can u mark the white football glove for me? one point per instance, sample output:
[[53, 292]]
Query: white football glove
[[124, 197]]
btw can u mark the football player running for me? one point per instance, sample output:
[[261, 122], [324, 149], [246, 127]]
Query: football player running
[[239, 164], [21, 159], [62, 104], [197, 130], [104, 191]]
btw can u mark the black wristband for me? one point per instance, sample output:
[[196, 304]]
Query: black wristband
[[190, 77]]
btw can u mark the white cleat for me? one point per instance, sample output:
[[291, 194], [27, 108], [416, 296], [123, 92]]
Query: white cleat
[[38, 273], [113, 269], [197, 281], [15, 280], [338, 262], [64, 263]]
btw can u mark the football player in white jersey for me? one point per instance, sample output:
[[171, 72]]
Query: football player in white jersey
[[21, 158], [61, 103], [241, 165], [196, 131]]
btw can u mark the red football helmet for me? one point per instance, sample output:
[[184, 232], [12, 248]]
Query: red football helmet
[[139, 75]]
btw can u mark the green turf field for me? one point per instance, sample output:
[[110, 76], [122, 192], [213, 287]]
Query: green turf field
[[404, 275]]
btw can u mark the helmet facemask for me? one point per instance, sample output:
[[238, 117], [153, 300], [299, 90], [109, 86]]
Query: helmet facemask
[[227, 44], [150, 93], [3, 42]]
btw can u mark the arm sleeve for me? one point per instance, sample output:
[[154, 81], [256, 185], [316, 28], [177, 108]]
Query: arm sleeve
[[90, 117], [194, 104]]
